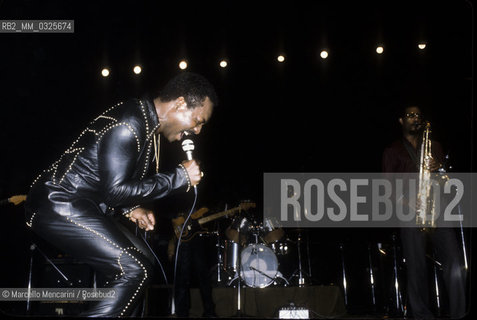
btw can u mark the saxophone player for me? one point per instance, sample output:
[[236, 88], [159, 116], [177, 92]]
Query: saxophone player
[[403, 156]]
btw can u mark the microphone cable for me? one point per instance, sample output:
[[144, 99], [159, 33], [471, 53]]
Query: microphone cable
[[155, 256], [178, 246]]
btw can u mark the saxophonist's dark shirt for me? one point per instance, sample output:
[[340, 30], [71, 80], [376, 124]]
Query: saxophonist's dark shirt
[[396, 158]]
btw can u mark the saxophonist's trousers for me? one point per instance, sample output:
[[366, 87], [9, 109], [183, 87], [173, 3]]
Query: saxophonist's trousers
[[444, 244]]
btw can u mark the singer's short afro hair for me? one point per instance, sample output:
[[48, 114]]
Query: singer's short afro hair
[[192, 86]]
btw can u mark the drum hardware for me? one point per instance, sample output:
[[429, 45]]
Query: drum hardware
[[239, 285], [343, 271], [436, 265], [371, 278], [280, 247], [399, 303], [308, 256], [272, 279], [299, 272], [261, 272], [67, 281], [220, 259]]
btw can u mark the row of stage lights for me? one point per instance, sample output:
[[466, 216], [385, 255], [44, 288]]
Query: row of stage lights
[[223, 63]]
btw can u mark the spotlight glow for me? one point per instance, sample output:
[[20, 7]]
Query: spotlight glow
[[281, 58], [105, 72], [324, 54], [379, 49], [421, 46], [223, 63], [183, 65], [137, 69]]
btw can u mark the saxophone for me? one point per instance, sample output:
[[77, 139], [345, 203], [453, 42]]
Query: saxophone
[[426, 210]]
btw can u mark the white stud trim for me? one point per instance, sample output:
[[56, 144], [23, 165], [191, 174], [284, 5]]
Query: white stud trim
[[103, 132], [105, 117], [143, 109], [130, 210], [31, 220], [122, 251], [54, 166]]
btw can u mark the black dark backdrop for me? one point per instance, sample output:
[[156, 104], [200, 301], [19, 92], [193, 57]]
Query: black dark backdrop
[[307, 114]]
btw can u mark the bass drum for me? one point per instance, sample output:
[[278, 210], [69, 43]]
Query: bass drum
[[259, 265]]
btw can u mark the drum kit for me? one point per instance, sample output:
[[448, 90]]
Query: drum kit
[[257, 255]]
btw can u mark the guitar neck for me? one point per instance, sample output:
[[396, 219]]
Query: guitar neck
[[217, 215]]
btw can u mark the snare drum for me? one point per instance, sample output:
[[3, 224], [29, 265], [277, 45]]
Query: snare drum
[[259, 266]]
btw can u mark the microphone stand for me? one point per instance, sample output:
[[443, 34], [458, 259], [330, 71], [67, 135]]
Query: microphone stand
[[239, 313]]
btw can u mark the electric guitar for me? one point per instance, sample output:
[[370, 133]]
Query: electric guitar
[[194, 225]]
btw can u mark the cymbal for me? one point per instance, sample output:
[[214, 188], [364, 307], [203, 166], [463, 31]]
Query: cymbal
[[234, 235]]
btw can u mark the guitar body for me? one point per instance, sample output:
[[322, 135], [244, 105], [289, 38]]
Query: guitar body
[[193, 227]]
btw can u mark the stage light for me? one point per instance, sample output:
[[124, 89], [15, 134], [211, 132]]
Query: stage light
[[105, 72], [223, 63], [183, 64], [379, 49], [137, 69], [324, 54], [281, 58], [421, 45]]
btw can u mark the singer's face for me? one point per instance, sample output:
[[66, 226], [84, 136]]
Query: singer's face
[[185, 119]]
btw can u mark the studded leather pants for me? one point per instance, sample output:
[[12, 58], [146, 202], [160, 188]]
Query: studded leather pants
[[108, 247]]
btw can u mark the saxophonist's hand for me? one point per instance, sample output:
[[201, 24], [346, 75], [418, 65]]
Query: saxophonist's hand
[[434, 165]]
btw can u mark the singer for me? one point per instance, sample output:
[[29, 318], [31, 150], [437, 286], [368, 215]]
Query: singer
[[74, 203]]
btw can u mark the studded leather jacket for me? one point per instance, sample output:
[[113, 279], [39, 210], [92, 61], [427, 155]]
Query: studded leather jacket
[[107, 164]]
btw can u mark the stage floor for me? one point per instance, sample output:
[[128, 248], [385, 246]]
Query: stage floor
[[321, 301]]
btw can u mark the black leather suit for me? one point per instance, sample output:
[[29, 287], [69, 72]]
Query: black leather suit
[[104, 173]]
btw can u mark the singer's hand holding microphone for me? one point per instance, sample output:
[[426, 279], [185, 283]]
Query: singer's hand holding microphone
[[191, 166], [193, 170]]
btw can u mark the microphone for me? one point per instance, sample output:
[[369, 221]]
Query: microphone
[[188, 147]]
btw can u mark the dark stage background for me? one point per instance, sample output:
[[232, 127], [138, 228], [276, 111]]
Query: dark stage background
[[304, 115]]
